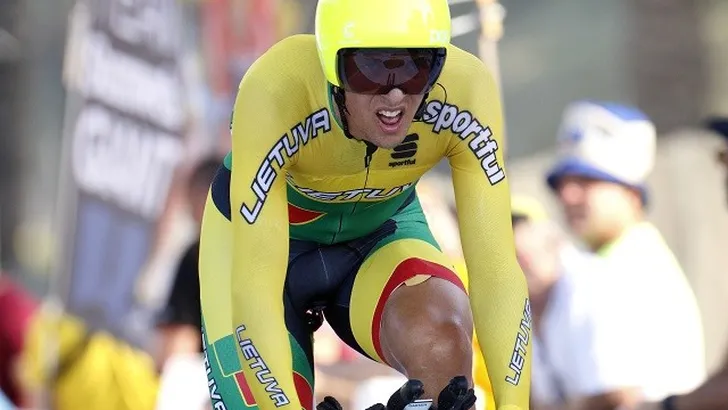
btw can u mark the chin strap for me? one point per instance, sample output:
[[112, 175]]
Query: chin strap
[[421, 109], [340, 100]]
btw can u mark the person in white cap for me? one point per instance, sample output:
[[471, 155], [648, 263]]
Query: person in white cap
[[636, 330], [713, 394]]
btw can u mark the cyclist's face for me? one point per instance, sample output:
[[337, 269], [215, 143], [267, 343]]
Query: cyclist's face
[[596, 211], [381, 119]]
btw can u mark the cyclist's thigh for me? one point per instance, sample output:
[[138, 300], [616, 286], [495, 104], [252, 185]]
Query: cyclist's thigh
[[408, 256]]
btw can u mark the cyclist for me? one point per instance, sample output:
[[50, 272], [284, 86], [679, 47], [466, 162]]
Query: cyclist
[[314, 214]]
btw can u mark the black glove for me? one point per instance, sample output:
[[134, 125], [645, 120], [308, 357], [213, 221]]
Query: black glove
[[329, 403], [456, 395], [409, 392]]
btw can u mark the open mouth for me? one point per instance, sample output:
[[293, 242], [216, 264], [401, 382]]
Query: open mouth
[[389, 121]]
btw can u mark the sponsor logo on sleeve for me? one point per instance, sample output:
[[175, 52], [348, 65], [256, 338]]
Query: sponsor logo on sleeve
[[287, 146], [520, 348], [262, 372], [449, 117]]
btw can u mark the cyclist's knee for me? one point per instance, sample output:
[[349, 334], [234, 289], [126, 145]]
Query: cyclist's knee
[[448, 337], [430, 321]]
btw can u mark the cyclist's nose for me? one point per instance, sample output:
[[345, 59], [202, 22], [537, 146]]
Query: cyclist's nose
[[395, 95]]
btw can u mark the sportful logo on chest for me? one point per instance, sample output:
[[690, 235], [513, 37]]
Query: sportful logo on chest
[[287, 146], [461, 122], [403, 154]]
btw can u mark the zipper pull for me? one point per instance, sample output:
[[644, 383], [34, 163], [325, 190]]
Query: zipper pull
[[371, 148]]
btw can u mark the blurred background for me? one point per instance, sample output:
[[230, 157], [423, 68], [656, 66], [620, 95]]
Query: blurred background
[[106, 105]]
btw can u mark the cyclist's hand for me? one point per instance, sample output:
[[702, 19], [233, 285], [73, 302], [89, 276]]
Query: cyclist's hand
[[329, 403], [409, 392], [456, 396]]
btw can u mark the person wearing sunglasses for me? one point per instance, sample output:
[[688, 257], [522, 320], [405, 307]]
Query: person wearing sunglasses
[[314, 216]]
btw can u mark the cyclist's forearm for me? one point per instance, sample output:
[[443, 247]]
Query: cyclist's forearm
[[258, 326], [265, 353], [497, 286], [258, 315], [503, 320]]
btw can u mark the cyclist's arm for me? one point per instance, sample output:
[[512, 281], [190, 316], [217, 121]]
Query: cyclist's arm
[[497, 287], [259, 216]]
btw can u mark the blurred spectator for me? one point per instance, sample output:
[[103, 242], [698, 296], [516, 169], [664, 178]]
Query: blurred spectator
[[5, 403], [539, 246], [713, 394], [635, 326], [179, 322], [94, 369], [17, 307]]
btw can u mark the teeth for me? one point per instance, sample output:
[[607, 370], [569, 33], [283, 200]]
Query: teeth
[[390, 114]]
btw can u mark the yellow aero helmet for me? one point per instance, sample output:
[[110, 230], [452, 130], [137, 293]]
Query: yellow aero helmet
[[345, 24]]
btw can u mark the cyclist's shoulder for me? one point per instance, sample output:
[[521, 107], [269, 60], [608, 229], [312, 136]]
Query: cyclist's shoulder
[[289, 65], [456, 102], [461, 62], [297, 47], [286, 83], [463, 74]]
